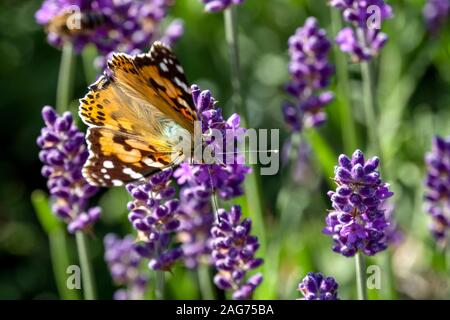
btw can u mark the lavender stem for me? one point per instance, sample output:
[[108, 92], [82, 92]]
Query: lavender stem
[[252, 182], [87, 276], [65, 78], [370, 98], [205, 283], [361, 276], [349, 136]]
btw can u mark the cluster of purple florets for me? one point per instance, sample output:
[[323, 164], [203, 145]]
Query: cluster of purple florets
[[437, 197], [120, 25], [63, 154], [364, 39], [310, 73], [358, 221]]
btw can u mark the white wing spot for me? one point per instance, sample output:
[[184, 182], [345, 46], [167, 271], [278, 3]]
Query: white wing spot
[[149, 162], [179, 68], [117, 183], [108, 164], [107, 176], [103, 170], [182, 85], [133, 174], [163, 67]]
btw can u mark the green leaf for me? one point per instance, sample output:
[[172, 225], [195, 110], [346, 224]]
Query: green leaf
[[42, 208]]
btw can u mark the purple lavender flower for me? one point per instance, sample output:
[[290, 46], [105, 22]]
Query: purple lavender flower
[[196, 219], [316, 287], [219, 5], [199, 180], [358, 221], [437, 197], [310, 74], [364, 40], [436, 13], [63, 154], [234, 254], [119, 25], [154, 214], [123, 263]]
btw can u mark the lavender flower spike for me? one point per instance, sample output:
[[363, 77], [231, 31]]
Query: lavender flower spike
[[310, 74], [437, 197], [316, 287], [154, 214], [363, 40], [63, 154], [123, 263], [436, 13], [234, 254], [358, 221], [219, 5]]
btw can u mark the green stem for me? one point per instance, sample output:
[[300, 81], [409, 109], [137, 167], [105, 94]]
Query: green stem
[[160, 285], [361, 276], [252, 183], [370, 99], [87, 275], [204, 282], [65, 78], [60, 262], [231, 35], [390, 281], [348, 129], [59, 251]]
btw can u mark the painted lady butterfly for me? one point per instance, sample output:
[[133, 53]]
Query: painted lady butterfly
[[137, 112]]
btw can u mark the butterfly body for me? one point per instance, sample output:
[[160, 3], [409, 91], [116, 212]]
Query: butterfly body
[[140, 116]]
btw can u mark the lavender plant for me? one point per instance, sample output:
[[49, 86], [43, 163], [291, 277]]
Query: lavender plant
[[234, 254], [437, 196], [123, 263], [315, 286], [63, 154], [200, 181], [363, 40], [310, 74]]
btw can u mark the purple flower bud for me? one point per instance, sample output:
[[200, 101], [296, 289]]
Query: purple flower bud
[[315, 287]]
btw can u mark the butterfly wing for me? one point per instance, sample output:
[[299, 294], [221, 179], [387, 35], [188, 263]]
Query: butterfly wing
[[130, 135], [116, 158], [158, 78]]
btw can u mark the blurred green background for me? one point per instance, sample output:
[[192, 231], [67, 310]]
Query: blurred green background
[[414, 79]]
